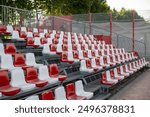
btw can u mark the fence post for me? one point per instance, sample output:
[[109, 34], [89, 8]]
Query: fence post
[[133, 30], [110, 17], [90, 21]]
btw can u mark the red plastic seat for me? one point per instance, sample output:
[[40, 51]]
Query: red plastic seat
[[47, 35], [10, 48], [23, 35], [32, 77], [64, 57], [2, 29], [35, 34], [43, 41], [54, 72], [64, 47], [5, 87], [71, 94], [29, 29], [55, 41], [41, 30], [47, 95]]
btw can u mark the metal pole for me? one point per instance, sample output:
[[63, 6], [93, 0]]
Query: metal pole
[[90, 21], [110, 15], [133, 30]]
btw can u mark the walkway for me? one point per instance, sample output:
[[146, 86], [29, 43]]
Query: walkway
[[139, 89]]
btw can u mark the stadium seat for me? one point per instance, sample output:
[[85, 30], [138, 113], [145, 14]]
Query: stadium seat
[[94, 65], [110, 76], [60, 93], [122, 71], [86, 66], [9, 30], [54, 72], [9, 64], [31, 61], [47, 95], [2, 29], [127, 70], [44, 75], [32, 77], [18, 80], [71, 93], [80, 90], [16, 36], [10, 48], [49, 49], [5, 87], [19, 61], [117, 75], [33, 97]]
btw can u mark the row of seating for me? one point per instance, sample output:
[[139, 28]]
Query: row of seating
[[72, 91], [113, 76], [22, 80]]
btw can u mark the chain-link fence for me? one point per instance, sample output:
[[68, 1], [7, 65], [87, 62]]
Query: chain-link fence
[[119, 27]]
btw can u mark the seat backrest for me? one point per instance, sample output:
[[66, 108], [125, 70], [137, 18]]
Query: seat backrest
[[31, 74], [79, 86], [53, 70], [17, 77], [4, 78], [9, 28], [75, 55], [24, 29], [29, 41], [19, 60], [108, 75], [70, 90], [8, 64], [103, 75], [60, 93], [47, 95], [2, 49], [29, 34], [43, 72], [10, 48], [30, 58], [15, 35]]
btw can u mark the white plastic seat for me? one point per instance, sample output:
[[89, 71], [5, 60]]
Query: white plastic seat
[[131, 68], [109, 79], [44, 75], [83, 67], [60, 93], [7, 62], [37, 41], [109, 62], [18, 80], [30, 34], [127, 69], [80, 90], [2, 49], [122, 72], [24, 29], [102, 62], [31, 61], [94, 64], [71, 58], [117, 75], [15, 35], [9, 29], [46, 50], [35, 30], [59, 48], [90, 54], [33, 97]]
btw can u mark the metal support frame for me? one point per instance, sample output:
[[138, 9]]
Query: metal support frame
[[133, 13]]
